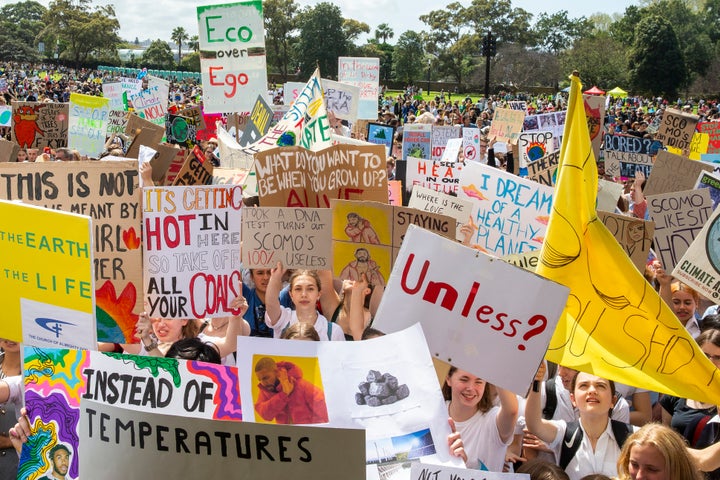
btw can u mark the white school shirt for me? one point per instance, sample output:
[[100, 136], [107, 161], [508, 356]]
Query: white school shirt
[[484, 447], [289, 317]]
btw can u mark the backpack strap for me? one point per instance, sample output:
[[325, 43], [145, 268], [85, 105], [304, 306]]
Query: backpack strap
[[550, 399], [699, 426], [621, 430], [571, 443], [329, 334]]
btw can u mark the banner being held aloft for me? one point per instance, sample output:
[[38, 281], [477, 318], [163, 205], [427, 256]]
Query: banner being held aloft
[[232, 56], [39, 125], [364, 73], [676, 129], [295, 177], [192, 250], [614, 324], [88, 123]]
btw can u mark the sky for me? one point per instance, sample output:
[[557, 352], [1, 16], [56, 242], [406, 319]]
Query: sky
[[155, 19]]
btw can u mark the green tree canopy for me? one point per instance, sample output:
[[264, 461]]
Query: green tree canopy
[[179, 35], [408, 64], [657, 66], [158, 55], [322, 39], [280, 34]]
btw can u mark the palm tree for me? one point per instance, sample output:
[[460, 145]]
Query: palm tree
[[383, 31], [194, 43], [179, 35]]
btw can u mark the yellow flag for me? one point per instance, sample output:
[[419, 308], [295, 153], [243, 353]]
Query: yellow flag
[[614, 325]]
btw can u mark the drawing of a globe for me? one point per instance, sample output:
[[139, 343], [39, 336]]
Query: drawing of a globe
[[712, 244]]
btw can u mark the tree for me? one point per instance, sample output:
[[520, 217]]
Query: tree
[[322, 39], [447, 27], [280, 34], [657, 66], [179, 35], [408, 64], [80, 31], [158, 55], [19, 25], [191, 62], [599, 58], [383, 32], [194, 43], [507, 24], [557, 32]]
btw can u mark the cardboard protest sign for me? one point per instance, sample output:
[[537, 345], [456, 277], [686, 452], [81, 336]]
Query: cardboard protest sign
[[192, 250], [195, 171], [142, 132], [293, 176], [506, 125], [395, 192], [169, 161], [297, 237], [39, 125], [437, 175], [180, 131], [510, 213], [258, 122], [196, 114], [47, 282], [631, 144], [108, 192], [419, 471], [367, 236], [544, 169], [342, 99], [711, 182], [625, 164], [341, 375], [533, 146], [428, 200], [8, 150], [381, 134], [713, 131], [595, 114], [608, 195], [698, 146], [440, 137], [151, 104], [364, 73], [417, 138], [461, 299], [517, 105], [700, 266], [232, 55], [553, 122], [113, 91], [634, 236], [291, 91], [58, 380], [248, 450], [678, 217], [229, 176], [88, 124], [673, 173], [117, 122], [471, 144], [676, 129]]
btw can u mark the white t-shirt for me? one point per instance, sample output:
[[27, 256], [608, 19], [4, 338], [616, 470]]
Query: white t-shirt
[[289, 317], [565, 410], [484, 447]]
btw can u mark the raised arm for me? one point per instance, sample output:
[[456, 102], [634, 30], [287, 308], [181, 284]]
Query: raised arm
[[356, 313], [542, 428], [507, 417], [236, 326], [272, 293], [329, 298]]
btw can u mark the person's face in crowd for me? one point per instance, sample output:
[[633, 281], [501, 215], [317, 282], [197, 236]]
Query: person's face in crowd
[[647, 463], [566, 375], [636, 231], [390, 167], [304, 292], [22, 156], [711, 351], [261, 277], [592, 394], [601, 168], [168, 330], [683, 305], [466, 388], [9, 345], [62, 156], [61, 462], [32, 154], [268, 378]]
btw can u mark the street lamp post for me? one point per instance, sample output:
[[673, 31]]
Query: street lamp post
[[428, 80]]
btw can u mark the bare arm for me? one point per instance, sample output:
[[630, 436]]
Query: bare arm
[[272, 293], [329, 299], [236, 326], [707, 459], [356, 315], [642, 409], [542, 428], [507, 417], [665, 282]]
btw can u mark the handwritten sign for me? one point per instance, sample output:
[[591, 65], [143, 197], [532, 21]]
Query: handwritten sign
[[633, 235], [533, 146], [232, 55], [711, 182], [113, 91], [46, 276], [88, 124], [342, 99], [437, 175], [192, 250], [678, 217], [291, 90], [700, 266], [381, 134], [258, 122], [553, 122], [544, 169], [417, 138], [676, 129], [151, 104], [698, 146], [195, 171], [673, 173], [181, 131], [471, 144], [422, 471], [39, 125], [511, 213], [713, 131], [107, 192], [364, 73], [295, 177], [506, 125], [595, 114], [626, 164], [471, 318], [432, 201], [297, 237], [117, 122], [440, 137]]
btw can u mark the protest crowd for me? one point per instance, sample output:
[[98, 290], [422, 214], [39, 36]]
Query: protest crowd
[[313, 238]]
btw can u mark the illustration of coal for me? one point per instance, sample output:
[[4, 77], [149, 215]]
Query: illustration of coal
[[380, 389]]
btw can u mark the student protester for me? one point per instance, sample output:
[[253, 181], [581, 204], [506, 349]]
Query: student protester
[[255, 282], [10, 403]]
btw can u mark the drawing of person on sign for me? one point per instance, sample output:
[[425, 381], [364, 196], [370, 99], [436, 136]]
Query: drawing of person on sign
[[363, 264], [359, 230], [636, 238]]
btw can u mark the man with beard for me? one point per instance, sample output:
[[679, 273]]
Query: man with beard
[[60, 461], [363, 264], [359, 230]]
